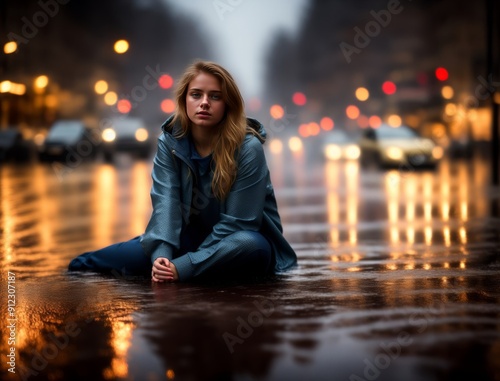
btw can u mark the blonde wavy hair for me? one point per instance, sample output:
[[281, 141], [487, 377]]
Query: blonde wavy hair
[[231, 130]]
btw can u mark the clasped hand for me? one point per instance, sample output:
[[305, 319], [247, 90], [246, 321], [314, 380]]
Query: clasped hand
[[164, 271]]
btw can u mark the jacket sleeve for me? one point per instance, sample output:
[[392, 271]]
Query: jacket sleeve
[[244, 207], [162, 235]]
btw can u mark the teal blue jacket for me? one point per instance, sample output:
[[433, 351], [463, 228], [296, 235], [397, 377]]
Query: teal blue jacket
[[249, 206]]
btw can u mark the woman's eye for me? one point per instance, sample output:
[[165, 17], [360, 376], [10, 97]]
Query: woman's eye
[[216, 97], [195, 95]]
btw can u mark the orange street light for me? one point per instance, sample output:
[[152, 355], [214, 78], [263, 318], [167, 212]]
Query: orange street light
[[121, 46], [10, 47]]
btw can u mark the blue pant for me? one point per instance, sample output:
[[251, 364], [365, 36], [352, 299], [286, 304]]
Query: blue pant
[[252, 258]]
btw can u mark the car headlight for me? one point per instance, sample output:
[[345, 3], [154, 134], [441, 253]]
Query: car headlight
[[141, 135], [295, 144], [352, 152], [108, 135], [437, 152], [394, 153], [39, 139], [333, 152]]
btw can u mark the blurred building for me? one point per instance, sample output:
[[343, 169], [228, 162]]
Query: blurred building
[[420, 61]]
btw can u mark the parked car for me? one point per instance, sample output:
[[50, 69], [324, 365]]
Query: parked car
[[338, 145], [400, 147], [70, 140], [14, 147], [128, 135]]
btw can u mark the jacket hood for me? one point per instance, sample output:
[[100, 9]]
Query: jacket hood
[[168, 128]]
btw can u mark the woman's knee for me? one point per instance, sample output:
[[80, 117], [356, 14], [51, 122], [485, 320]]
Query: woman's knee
[[250, 241]]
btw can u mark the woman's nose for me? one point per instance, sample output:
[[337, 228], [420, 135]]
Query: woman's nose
[[205, 100]]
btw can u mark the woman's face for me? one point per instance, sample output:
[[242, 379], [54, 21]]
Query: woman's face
[[204, 104]]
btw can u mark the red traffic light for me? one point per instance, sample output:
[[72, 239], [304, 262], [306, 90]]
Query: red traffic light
[[441, 74], [388, 87]]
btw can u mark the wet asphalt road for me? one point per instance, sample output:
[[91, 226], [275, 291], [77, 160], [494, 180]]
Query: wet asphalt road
[[398, 280]]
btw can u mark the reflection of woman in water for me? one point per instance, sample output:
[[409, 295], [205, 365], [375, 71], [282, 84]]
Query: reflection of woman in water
[[214, 211]]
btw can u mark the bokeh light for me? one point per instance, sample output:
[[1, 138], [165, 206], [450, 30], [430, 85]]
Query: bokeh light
[[277, 112], [394, 120], [167, 106], [110, 98], [124, 106], [101, 87], [304, 130], [10, 47], [327, 123], [299, 99], [363, 121], [41, 82], [295, 144], [121, 46], [276, 146], [447, 92], [362, 94], [389, 87], [352, 112], [166, 81], [314, 128], [374, 121], [441, 74]]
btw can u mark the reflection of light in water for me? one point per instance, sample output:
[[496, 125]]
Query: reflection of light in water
[[481, 177], [105, 201], [277, 170], [445, 208], [447, 236], [299, 171], [410, 210], [352, 257], [140, 198], [392, 191], [426, 266], [351, 173], [463, 191], [427, 211], [7, 219], [394, 233], [463, 235], [47, 206], [428, 235], [120, 342], [353, 269], [410, 197], [353, 236], [410, 235], [446, 265], [391, 266], [332, 199], [410, 266], [463, 264], [463, 210]]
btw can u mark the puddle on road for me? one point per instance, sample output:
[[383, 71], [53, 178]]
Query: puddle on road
[[398, 280]]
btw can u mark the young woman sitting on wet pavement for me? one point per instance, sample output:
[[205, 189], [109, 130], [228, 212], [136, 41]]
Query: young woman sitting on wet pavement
[[214, 210]]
